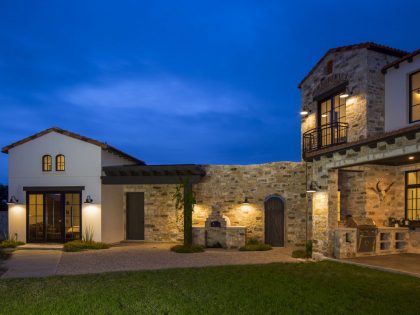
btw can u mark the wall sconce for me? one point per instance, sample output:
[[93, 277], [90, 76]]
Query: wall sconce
[[304, 112], [313, 188], [13, 200], [88, 199], [418, 91], [246, 202], [346, 93]]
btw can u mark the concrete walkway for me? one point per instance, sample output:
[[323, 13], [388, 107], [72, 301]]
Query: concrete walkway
[[402, 263], [32, 263]]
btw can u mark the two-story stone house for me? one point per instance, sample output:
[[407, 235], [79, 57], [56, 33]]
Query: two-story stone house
[[360, 136]]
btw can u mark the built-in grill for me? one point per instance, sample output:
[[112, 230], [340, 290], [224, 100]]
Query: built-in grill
[[366, 233]]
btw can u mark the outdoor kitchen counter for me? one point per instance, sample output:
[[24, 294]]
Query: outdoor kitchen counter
[[389, 240]]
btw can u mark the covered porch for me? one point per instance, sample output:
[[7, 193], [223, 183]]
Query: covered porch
[[368, 197]]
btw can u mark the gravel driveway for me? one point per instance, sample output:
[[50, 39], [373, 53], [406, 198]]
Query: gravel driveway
[[148, 256]]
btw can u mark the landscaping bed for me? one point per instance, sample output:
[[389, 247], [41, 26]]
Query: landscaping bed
[[77, 246], [299, 288]]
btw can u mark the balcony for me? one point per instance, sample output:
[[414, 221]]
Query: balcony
[[325, 136]]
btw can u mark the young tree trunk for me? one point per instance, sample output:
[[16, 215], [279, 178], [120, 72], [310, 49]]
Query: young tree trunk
[[188, 209]]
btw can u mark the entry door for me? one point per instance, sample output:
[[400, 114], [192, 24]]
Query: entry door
[[135, 216], [53, 218], [274, 221]]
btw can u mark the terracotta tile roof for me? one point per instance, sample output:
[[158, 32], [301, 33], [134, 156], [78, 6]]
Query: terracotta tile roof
[[408, 57], [373, 139], [368, 45], [103, 145]]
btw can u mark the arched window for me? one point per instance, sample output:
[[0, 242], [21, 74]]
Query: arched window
[[60, 164], [46, 163]]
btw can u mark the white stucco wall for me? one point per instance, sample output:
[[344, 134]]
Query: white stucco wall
[[83, 168], [113, 216], [110, 159], [397, 94]]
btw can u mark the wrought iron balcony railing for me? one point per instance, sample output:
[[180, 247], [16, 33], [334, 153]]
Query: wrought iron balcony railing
[[324, 136]]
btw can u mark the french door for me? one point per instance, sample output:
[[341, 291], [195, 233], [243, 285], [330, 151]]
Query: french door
[[331, 112], [53, 216]]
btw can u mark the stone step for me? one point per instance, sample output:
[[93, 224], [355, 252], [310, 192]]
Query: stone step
[[41, 246]]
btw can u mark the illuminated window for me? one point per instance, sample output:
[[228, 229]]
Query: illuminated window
[[60, 163], [47, 163], [415, 97], [412, 193], [331, 113]]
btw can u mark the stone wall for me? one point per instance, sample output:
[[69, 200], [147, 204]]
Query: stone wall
[[227, 186], [365, 107]]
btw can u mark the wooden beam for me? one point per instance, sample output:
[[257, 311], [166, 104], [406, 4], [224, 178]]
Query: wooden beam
[[134, 180]]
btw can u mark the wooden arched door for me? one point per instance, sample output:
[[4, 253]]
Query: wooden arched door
[[274, 221]]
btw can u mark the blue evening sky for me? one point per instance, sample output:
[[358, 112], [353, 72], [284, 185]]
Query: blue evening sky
[[178, 81]]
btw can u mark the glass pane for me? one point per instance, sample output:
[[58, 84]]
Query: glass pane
[[39, 199], [415, 97], [412, 178], [72, 222], [415, 81], [415, 112]]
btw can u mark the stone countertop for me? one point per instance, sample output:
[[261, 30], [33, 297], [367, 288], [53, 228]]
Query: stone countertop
[[392, 228]]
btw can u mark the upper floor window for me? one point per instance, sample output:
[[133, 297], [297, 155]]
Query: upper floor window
[[412, 193], [415, 97], [47, 163], [60, 163]]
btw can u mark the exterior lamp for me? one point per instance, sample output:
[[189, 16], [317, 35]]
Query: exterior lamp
[[411, 157], [313, 188], [418, 91], [246, 202], [13, 200], [88, 199], [345, 94], [304, 112]]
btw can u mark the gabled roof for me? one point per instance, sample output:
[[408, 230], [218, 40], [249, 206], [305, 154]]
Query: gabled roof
[[396, 63], [103, 145], [368, 45]]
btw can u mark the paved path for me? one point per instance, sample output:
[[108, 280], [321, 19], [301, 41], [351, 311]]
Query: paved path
[[409, 263], [32, 263], [129, 257]]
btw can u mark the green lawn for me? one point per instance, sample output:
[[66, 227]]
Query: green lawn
[[322, 288]]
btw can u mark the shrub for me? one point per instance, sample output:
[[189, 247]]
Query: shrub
[[77, 246], [299, 253], [185, 249], [303, 253], [10, 243], [253, 244]]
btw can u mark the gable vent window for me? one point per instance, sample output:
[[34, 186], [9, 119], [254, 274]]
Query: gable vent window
[[46, 163], [329, 67], [60, 163], [415, 97]]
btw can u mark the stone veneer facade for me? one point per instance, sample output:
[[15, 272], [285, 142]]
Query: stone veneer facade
[[227, 186], [361, 68]]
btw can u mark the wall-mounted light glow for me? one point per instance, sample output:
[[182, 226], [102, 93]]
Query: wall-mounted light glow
[[88, 199], [344, 95], [313, 188], [324, 115], [417, 91], [13, 200], [411, 157], [246, 202], [304, 113]]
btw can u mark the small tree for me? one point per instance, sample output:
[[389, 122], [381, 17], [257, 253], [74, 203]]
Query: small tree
[[185, 198]]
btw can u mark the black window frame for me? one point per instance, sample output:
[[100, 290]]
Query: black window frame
[[44, 169], [410, 98], [406, 187], [56, 163]]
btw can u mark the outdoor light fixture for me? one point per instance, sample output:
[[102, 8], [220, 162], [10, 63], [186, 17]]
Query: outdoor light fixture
[[88, 199], [246, 202], [313, 188], [304, 113], [13, 200], [324, 115], [345, 94], [418, 91], [411, 157]]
